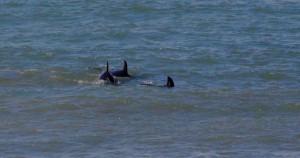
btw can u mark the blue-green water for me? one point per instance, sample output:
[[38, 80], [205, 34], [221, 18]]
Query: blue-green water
[[235, 64]]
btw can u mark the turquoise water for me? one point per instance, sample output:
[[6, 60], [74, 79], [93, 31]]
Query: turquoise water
[[235, 64]]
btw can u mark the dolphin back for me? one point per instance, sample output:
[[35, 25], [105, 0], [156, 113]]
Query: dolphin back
[[107, 76], [121, 73]]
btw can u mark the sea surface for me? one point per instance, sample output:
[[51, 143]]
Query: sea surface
[[235, 64]]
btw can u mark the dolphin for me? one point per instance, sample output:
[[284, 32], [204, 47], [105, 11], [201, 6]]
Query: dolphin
[[121, 73], [170, 83], [106, 76]]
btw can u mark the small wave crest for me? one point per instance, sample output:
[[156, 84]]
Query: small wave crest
[[272, 76], [291, 107]]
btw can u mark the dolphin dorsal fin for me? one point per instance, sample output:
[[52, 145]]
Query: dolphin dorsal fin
[[106, 66], [170, 82], [125, 66], [109, 76]]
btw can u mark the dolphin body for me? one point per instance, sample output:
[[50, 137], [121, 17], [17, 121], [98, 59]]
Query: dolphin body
[[170, 83], [121, 73], [106, 76]]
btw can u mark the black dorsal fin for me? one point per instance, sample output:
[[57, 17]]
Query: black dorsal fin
[[106, 66], [170, 82], [109, 76], [125, 66]]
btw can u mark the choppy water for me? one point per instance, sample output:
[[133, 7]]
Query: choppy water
[[236, 67]]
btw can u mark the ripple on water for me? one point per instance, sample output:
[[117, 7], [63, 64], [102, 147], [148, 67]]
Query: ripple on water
[[290, 107], [206, 60], [273, 76], [140, 8], [66, 106], [7, 76], [268, 139]]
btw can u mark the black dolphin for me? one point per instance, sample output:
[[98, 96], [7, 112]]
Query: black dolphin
[[170, 83], [106, 76], [121, 73]]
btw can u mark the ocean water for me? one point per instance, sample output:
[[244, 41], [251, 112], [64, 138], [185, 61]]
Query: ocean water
[[235, 64]]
